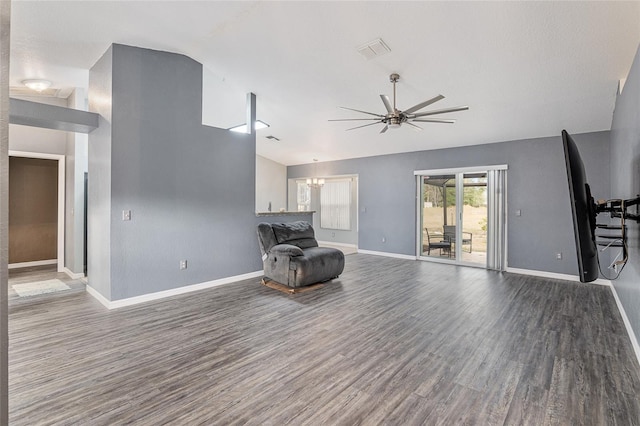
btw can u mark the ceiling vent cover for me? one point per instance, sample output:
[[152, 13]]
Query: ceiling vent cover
[[373, 49]]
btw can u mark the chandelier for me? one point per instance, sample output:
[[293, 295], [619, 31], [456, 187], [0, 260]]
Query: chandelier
[[315, 182]]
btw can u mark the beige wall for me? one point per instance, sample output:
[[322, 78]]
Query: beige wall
[[33, 211], [271, 185]]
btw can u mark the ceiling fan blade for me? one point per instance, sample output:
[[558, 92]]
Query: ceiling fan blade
[[384, 129], [423, 104], [364, 112], [353, 119], [413, 125], [387, 103], [370, 124], [440, 111], [435, 120]]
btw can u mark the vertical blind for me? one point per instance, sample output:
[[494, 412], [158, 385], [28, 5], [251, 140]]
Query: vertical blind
[[335, 205], [496, 182]]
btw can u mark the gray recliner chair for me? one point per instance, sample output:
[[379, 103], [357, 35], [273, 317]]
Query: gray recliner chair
[[291, 256]]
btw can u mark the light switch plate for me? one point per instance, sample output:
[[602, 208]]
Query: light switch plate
[[126, 214]]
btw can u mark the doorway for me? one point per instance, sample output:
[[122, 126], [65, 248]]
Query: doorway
[[45, 224], [460, 216]]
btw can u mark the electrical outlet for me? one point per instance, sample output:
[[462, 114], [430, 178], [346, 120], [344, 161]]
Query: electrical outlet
[[384, 240], [126, 214], [559, 256], [183, 264]]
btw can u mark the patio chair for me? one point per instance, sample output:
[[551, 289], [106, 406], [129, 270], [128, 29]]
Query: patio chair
[[450, 235], [438, 245]]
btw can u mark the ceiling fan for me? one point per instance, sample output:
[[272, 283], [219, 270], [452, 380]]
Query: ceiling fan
[[394, 117]]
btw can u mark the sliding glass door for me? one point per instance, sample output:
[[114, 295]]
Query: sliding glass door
[[438, 212], [461, 216]]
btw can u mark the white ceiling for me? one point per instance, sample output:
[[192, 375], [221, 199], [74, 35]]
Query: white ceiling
[[526, 69]]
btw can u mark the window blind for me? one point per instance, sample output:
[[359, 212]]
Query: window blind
[[335, 205]]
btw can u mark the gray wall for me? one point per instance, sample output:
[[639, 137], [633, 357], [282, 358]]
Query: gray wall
[[625, 183], [99, 166], [190, 188], [537, 185]]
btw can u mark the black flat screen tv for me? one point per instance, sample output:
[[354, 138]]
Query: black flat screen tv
[[583, 209]]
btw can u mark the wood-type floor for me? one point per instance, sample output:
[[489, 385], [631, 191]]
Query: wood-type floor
[[40, 273], [391, 341]]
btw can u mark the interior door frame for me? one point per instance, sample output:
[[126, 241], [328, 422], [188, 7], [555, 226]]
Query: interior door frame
[[458, 172], [61, 195]]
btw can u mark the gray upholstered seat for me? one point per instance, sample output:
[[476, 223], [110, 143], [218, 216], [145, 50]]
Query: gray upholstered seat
[[291, 256]]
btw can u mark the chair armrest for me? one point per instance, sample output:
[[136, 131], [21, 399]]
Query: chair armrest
[[287, 250]]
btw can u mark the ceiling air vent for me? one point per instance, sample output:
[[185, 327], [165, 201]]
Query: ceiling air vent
[[373, 49]]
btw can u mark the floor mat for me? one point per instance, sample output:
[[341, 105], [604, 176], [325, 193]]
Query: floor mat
[[39, 287]]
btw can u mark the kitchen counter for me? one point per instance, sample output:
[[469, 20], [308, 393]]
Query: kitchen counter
[[285, 213]]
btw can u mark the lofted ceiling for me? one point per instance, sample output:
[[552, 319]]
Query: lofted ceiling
[[525, 69]]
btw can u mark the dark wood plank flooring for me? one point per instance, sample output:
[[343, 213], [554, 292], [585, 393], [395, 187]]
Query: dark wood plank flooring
[[390, 342]]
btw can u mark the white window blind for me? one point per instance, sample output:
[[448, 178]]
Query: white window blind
[[335, 205]]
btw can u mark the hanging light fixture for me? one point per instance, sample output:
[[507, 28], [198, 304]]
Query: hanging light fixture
[[315, 182]]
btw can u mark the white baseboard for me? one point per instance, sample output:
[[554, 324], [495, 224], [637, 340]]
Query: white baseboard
[[34, 263], [115, 304], [627, 324], [73, 275], [554, 275], [100, 298], [386, 254], [331, 243]]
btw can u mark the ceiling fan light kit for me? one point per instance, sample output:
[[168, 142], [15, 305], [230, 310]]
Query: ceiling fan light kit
[[394, 117]]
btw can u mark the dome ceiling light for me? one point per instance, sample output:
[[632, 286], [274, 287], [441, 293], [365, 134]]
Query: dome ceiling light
[[37, 84]]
